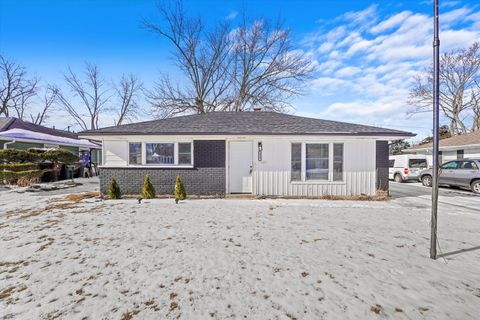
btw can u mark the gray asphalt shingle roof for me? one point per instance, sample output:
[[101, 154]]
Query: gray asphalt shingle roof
[[256, 123]]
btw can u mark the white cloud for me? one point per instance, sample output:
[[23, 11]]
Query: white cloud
[[391, 22], [232, 15], [365, 73], [347, 72]]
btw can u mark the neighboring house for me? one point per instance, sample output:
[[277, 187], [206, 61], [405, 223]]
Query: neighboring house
[[454, 148], [260, 153], [18, 134]]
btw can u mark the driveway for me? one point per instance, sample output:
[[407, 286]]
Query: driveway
[[414, 194]]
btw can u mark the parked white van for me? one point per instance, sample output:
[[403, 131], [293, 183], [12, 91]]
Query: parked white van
[[406, 167]]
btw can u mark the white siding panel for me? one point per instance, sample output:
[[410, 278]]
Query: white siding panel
[[116, 153], [272, 174]]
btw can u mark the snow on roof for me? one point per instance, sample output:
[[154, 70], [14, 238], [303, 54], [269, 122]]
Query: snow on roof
[[32, 136]]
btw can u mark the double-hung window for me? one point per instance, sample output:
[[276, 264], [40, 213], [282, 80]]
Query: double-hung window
[[184, 153], [296, 166], [338, 162], [135, 153]]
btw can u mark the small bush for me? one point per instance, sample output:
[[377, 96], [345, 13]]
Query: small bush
[[114, 190], [148, 191], [180, 193]]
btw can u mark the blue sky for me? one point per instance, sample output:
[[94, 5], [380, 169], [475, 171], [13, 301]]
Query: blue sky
[[366, 51]]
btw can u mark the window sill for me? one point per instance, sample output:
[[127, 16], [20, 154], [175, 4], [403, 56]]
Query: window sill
[[146, 166], [319, 182]]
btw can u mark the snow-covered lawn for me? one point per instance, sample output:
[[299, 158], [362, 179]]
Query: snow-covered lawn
[[254, 259]]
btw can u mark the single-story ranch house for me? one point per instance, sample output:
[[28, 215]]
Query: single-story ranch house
[[465, 146], [22, 135], [260, 153]]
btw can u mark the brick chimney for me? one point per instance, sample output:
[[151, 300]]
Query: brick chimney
[[257, 109]]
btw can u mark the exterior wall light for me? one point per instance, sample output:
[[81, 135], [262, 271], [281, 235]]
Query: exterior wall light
[[260, 149]]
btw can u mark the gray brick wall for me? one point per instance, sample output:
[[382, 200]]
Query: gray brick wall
[[382, 165], [207, 177]]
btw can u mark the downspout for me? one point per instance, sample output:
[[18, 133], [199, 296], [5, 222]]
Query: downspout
[[7, 143]]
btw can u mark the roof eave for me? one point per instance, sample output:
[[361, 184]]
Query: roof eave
[[393, 135]]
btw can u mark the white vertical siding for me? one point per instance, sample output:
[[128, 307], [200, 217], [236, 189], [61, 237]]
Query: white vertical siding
[[271, 176], [115, 153]]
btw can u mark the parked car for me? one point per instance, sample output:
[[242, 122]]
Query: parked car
[[406, 167], [459, 173]]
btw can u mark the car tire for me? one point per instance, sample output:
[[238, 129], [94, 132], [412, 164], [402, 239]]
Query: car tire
[[475, 186], [427, 180], [398, 178]]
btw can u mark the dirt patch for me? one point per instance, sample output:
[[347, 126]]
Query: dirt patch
[[376, 308]]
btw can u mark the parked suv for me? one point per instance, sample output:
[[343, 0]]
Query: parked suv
[[458, 173], [406, 167]]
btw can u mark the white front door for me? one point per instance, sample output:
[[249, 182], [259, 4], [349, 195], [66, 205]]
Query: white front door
[[241, 165]]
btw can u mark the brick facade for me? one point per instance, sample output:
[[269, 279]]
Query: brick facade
[[382, 165], [207, 177]]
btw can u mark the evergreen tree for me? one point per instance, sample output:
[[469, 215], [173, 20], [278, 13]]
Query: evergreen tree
[[180, 193], [148, 191], [114, 190]]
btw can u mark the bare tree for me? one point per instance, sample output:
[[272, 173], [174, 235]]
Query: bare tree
[[48, 101], [91, 92], [16, 88], [476, 106], [127, 90], [203, 57], [459, 90], [226, 69], [267, 71]]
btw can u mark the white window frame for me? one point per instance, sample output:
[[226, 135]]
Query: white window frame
[[330, 180], [156, 165]]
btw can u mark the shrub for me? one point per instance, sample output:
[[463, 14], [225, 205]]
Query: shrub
[[18, 156], [34, 155], [11, 177], [180, 193], [18, 166], [148, 191], [59, 155], [114, 190]]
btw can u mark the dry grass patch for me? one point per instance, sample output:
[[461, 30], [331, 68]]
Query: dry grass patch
[[77, 197], [380, 195], [69, 201], [5, 293], [376, 308]]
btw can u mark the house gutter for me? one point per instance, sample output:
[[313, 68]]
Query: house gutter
[[5, 145]]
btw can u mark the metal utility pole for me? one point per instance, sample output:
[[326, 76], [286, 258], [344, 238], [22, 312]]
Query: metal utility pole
[[436, 99]]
